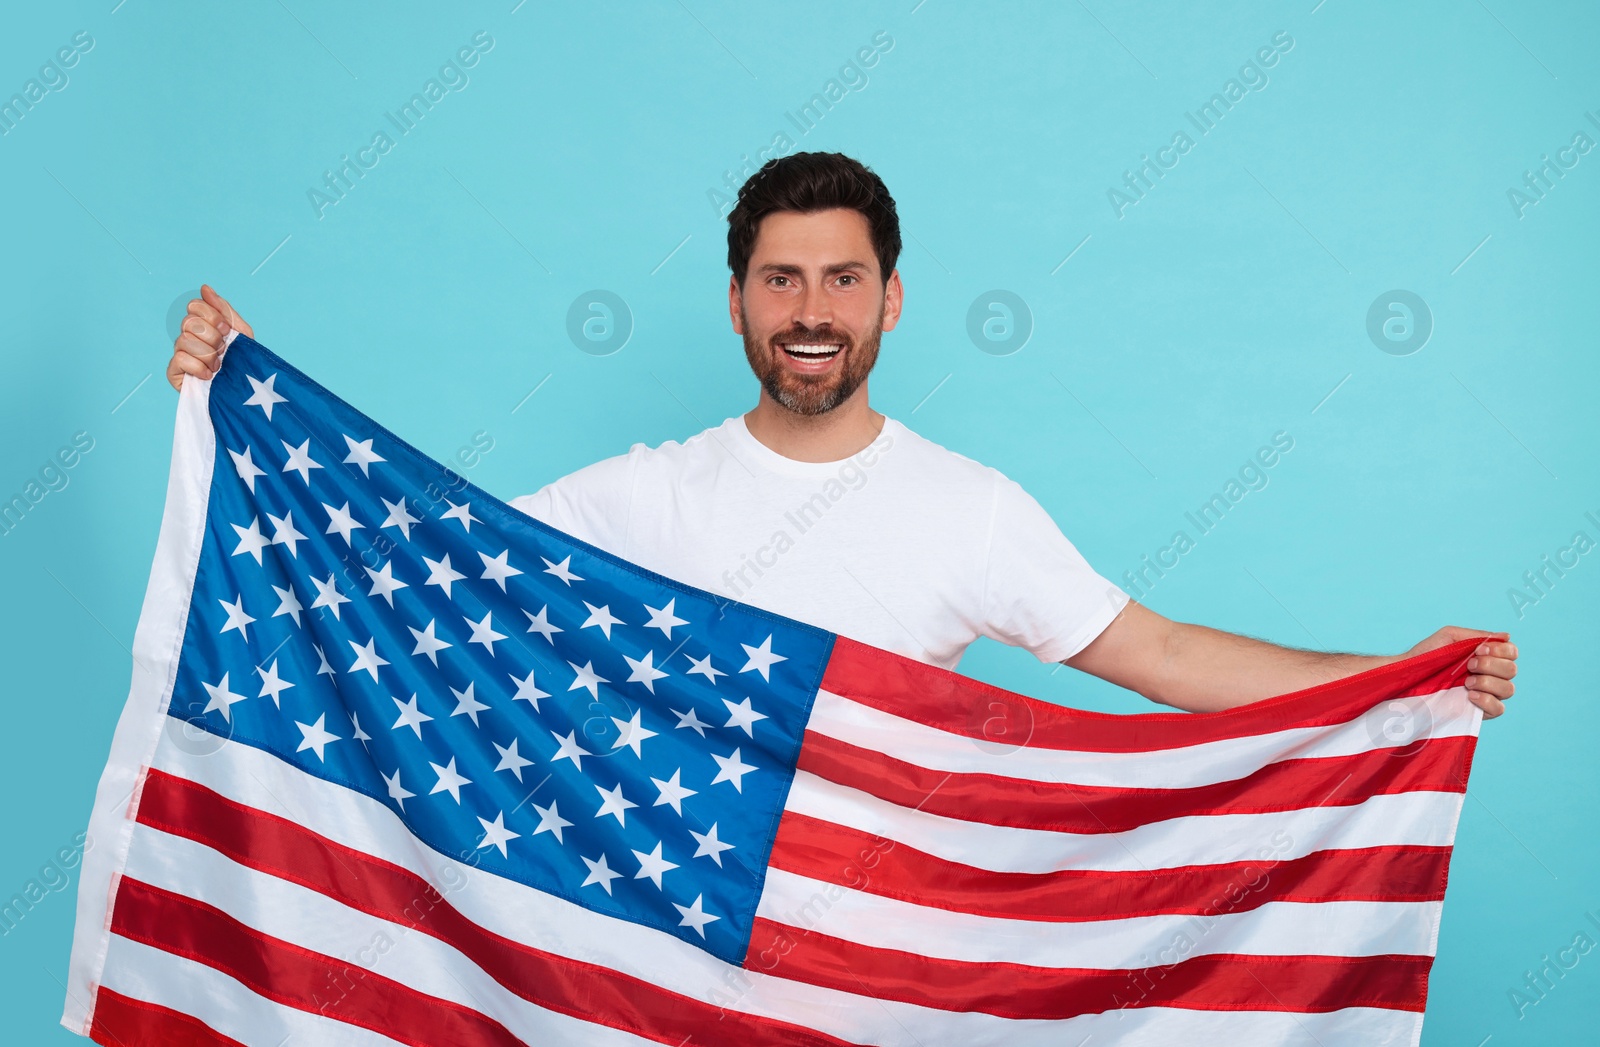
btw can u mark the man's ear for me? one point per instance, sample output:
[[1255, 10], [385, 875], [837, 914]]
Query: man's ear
[[893, 299], [735, 305]]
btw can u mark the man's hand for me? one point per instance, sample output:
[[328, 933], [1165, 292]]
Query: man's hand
[[198, 350], [1493, 664]]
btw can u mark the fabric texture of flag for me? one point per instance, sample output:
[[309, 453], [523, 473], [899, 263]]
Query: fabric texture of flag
[[400, 764]]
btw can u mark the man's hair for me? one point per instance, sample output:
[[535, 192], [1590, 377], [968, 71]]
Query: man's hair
[[807, 182]]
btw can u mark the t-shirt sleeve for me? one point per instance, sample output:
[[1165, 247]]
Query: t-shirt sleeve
[[1039, 591], [592, 504]]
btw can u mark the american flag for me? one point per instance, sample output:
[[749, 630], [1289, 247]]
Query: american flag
[[400, 764]]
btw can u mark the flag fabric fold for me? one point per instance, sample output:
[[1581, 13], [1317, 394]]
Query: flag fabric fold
[[400, 764]]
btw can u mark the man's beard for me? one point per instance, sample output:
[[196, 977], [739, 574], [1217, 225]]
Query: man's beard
[[813, 394]]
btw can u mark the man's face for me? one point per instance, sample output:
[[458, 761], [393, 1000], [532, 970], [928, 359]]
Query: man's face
[[814, 308]]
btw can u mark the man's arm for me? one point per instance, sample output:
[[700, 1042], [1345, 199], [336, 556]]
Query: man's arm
[[1199, 669]]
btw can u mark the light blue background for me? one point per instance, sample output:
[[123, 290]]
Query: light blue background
[[1223, 307]]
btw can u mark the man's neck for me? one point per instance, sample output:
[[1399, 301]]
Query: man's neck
[[829, 437]]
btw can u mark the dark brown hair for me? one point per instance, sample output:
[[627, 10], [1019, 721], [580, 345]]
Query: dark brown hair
[[807, 182]]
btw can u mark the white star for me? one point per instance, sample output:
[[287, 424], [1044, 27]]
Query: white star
[[570, 749], [495, 833], [263, 395], [462, 512], [300, 460], [341, 523], [314, 737], [399, 516], [449, 781], [397, 792], [614, 803], [237, 619], [550, 821], [733, 770], [541, 624], [710, 846], [246, 467], [691, 719], [704, 667], [652, 865], [284, 533], [527, 691], [384, 583], [272, 683], [328, 595], [410, 715], [440, 573], [288, 603], [322, 662], [467, 703], [362, 454], [587, 678], [672, 792], [428, 643], [663, 618], [599, 873], [743, 716], [631, 733], [221, 698], [561, 570], [601, 617], [360, 735], [483, 632], [497, 568], [761, 658], [367, 658], [251, 540], [643, 671], [510, 759], [694, 916]]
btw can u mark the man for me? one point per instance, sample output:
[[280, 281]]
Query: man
[[817, 507]]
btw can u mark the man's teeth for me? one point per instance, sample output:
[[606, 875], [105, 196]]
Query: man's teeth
[[813, 350]]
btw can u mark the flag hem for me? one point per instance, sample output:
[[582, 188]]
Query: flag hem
[[157, 643]]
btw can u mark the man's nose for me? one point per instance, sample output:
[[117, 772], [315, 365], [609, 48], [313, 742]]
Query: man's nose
[[815, 309]]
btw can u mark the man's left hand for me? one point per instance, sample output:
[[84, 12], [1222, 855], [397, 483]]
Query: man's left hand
[[1492, 666]]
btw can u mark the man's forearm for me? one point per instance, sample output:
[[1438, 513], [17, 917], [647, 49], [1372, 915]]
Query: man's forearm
[[1207, 669]]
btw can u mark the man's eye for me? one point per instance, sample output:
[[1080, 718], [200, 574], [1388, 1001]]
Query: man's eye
[[847, 276]]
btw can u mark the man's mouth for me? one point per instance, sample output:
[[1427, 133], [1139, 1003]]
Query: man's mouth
[[813, 352]]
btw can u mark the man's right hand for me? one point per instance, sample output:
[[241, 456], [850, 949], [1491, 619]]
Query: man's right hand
[[198, 350]]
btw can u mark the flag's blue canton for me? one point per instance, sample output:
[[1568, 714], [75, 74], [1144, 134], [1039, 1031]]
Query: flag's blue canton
[[522, 700]]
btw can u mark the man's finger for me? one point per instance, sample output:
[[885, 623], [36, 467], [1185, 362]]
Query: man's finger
[[1504, 668], [1492, 685], [207, 312], [1497, 649], [205, 330], [182, 364], [219, 303], [1490, 705], [202, 353]]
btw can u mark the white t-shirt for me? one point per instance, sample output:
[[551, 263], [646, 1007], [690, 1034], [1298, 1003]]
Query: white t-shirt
[[905, 546]]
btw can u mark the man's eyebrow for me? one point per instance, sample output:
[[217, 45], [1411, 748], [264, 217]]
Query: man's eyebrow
[[791, 268]]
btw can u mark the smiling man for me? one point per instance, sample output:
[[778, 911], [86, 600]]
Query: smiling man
[[815, 506]]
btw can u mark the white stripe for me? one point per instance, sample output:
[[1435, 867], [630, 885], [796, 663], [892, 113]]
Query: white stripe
[[260, 780], [149, 974], [1445, 714], [1425, 819], [1273, 929], [314, 921], [156, 643]]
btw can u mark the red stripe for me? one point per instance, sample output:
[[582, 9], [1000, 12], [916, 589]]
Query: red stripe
[[836, 854], [1221, 982], [587, 991], [293, 976], [121, 1021], [949, 702], [1436, 765]]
